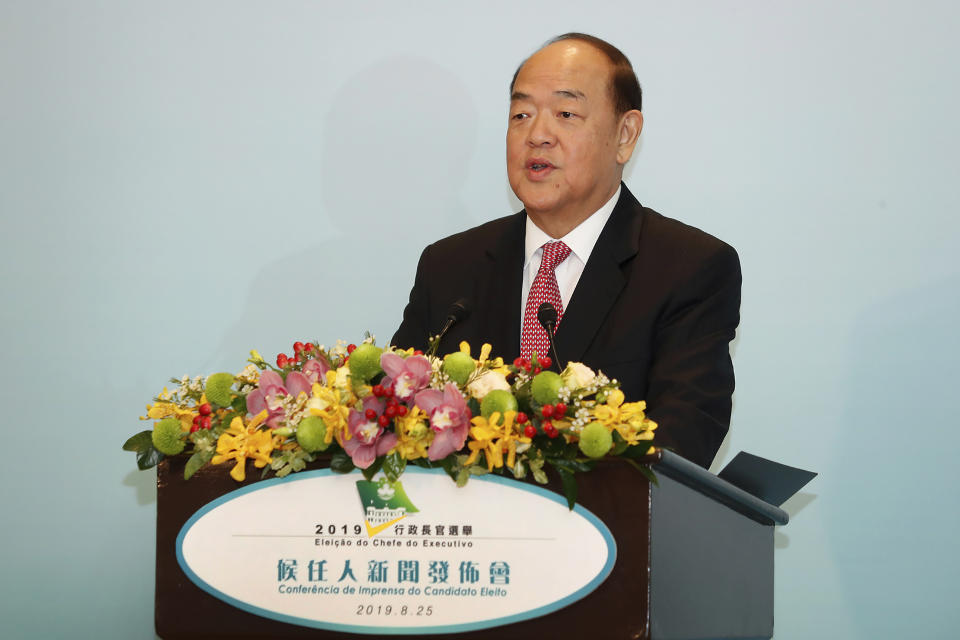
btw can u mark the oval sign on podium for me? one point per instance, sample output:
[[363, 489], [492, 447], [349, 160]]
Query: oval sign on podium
[[420, 556]]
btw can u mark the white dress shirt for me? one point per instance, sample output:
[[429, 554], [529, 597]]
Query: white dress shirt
[[581, 241]]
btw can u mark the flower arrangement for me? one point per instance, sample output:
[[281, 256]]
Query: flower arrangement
[[379, 409]]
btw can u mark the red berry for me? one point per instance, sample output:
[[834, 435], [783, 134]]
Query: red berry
[[370, 414], [402, 410], [553, 433], [545, 362], [308, 347], [297, 347], [530, 431], [281, 360], [559, 409], [383, 420], [522, 417], [377, 390], [547, 411], [536, 369], [417, 352], [196, 420], [388, 391], [205, 422], [194, 428], [351, 347], [205, 409], [390, 411], [518, 362]]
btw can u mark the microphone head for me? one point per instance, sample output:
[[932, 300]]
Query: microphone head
[[459, 310], [547, 315]]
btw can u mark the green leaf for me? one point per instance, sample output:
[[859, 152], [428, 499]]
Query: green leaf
[[646, 471], [239, 405], [462, 477], [571, 466], [140, 442], [519, 470], [478, 470], [555, 447], [569, 487], [474, 406], [393, 466], [371, 471], [451, 466], [196, 462], [148, 458], [638, 450], [540, 475], [341, 463]]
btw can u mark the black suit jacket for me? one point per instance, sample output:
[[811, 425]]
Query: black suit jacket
[[656, 308]]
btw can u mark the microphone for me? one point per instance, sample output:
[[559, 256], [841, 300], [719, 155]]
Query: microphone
[[547, 317], [456, 313]]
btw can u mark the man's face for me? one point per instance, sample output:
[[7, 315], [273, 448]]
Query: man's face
[[562, 138]]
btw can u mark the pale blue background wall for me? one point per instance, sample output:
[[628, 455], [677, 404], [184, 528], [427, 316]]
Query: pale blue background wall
[[183, 181]]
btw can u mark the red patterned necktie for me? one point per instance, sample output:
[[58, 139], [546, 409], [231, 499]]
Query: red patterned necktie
[[543, 289]]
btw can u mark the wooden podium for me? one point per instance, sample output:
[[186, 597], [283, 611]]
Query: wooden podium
[[695, 560]]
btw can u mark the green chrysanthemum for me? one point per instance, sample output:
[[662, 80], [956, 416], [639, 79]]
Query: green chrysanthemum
[[311, 434], [545, 387], [458, 365], [365, 362], [166, 437], [497, 400], [595, 440], [218, 389]]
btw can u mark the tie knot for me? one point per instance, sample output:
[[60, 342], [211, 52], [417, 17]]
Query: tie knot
[[553, 254]]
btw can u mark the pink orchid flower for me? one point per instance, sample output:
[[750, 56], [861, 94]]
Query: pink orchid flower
[[316, 370], [449, 418], [270, 392], [407, 375], [369, 440]]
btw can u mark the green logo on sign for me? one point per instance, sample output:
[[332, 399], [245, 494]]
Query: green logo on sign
[[384, 503]]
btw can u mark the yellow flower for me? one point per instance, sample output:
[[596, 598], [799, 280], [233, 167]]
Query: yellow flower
[[161, 410], [495, 439], [240, 442], [495, 365], [413, 435], [629, 419], [333, 405]]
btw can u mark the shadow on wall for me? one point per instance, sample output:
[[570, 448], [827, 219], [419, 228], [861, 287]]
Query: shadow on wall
[[892, 524], [398, 139]]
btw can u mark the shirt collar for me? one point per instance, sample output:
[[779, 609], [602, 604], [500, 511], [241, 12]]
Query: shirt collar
[[581, 239]]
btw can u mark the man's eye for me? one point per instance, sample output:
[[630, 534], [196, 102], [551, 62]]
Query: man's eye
[[566, 115], [518, 116]]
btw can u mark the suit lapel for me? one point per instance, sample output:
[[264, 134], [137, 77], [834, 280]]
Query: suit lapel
[[501, 293], [602, 279]]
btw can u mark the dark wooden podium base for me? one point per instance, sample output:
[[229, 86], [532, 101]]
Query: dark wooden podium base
[[687, 567]]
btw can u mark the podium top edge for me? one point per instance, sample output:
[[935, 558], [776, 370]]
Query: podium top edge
[[699, 479]]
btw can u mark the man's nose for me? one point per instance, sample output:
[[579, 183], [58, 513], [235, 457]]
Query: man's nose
[[541, 132]]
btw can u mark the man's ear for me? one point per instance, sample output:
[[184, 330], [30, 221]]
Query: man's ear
[[628, 129]]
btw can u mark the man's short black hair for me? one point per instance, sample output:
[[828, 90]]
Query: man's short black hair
[[625, 87]]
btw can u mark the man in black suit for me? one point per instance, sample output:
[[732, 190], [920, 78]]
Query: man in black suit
[[646, 299]]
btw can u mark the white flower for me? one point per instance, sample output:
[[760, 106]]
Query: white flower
[[486, 382], [577, 375], [342, 381]]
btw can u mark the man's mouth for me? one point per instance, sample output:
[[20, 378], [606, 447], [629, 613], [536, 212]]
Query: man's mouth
[[538, 164]]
